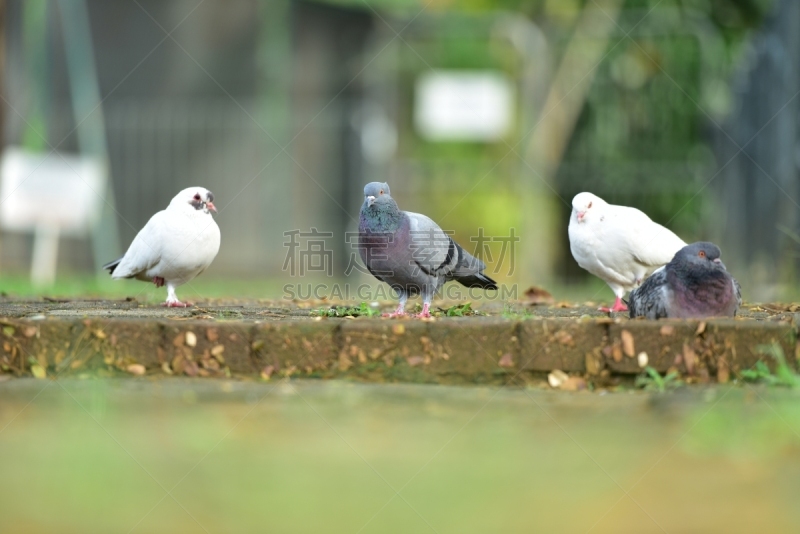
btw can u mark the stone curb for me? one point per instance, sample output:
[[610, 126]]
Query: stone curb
[[451, 350]]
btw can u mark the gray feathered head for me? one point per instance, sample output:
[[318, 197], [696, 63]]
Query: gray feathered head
[[376, 192], [700, 254]]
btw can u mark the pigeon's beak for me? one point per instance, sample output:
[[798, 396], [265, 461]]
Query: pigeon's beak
[[581, 215], [370, 200], [211, 207]]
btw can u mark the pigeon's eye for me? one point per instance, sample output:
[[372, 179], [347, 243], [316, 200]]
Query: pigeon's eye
[[702, 254], [197, 196], [380, 192], [589, 206]]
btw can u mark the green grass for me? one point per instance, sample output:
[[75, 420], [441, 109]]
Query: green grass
[[457, 310], [362, 310], [89, 287], [783, 374], [651, 380], [516, 312]]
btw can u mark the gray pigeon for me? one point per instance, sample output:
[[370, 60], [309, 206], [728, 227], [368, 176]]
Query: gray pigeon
[[695, 284], [410, 252]]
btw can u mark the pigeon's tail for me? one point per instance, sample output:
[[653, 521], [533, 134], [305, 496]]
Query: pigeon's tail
[[469, 271], [112, 265], [477, 280]]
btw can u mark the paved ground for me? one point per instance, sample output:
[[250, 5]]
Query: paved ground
[[265, 310]]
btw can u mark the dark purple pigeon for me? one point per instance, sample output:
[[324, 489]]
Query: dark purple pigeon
[[695, 284], [410, 252]]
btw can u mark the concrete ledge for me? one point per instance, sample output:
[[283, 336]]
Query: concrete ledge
[[481, 349]]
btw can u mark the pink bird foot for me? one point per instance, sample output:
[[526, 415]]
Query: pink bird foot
[[399, 312], [618, 306], [158, 281], [425, 313], [177, 304]]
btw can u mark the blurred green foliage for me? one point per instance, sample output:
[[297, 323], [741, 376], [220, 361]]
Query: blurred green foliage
[[642, 137]]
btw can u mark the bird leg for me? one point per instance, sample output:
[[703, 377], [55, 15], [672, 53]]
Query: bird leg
[[158, 281], [177, 304], [401, 307], [172, 299], [399, 312], [425, 311], [618, 306]]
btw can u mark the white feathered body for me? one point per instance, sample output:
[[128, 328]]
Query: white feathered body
[[175, 244], [621, 246]]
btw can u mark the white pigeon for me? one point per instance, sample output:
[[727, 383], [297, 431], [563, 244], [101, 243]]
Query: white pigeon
[[175, 245], [618, 244]]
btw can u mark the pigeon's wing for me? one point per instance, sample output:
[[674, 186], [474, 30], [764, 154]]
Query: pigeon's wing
[[738, 290], [651, 244], [650, 299], [145, 250], [431, 248]]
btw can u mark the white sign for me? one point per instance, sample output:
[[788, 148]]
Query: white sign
[[468, 105], [49, 190]]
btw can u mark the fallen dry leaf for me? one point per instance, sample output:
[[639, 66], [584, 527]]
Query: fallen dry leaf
[[136, 369], [191, 339], [212, 335], [573, 383], [191, 368], [565, 338], [398, 329], [723, 371], [556, 378], [217, 350], [38, 371], [211, 364], [345, 363], [267, 371], [506, 360], [538, 295], [667, 330], [616, 351], [594, 363], [700, 328], [29, 331], [689, 358], [178, 364], [413, 361], [627, 344]]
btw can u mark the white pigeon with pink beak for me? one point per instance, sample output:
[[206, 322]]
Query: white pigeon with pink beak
[[620, 245], [175, 245]]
